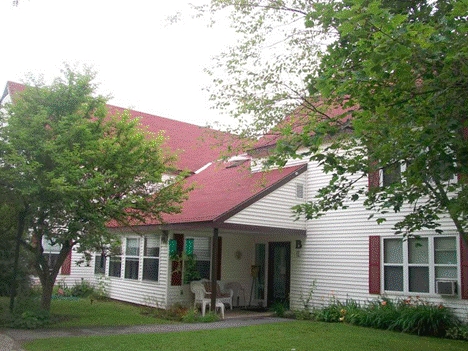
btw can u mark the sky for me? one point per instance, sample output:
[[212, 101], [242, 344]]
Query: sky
[[142, 60]]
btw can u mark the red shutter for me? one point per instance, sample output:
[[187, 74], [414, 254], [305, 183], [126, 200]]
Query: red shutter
[[66, 266], [373, 176], [374, 264], [464, 268]]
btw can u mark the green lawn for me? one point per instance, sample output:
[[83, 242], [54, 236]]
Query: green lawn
[[100, 313], [81, 313], [297, 335]]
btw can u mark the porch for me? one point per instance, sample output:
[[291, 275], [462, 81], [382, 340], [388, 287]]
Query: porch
[[256, 265]]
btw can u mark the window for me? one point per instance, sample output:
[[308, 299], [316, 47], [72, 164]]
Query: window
[[115, 266], [202, 255], [391, 174], [299, 191], [51, 253], [151, 258], [132, 258], [415, 265], [100, 264]]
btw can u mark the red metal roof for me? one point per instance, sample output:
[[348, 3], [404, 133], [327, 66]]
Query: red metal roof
[[195, 146], [300, 118], [223, 191]]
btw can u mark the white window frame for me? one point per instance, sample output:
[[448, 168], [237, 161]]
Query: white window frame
[[382, 174], [431, 265], [100, 256], [145, 257], [130, 257]]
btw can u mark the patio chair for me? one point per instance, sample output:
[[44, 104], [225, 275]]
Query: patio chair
[[238, 292], [202, 291]]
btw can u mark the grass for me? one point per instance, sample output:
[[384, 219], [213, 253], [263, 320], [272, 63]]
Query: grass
[[81, 313], [297, 335]]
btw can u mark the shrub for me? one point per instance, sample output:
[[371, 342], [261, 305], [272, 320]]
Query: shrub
[[279, 308], [412, 315], [192, 316], [100, 291], [29, 319], [419, 317], [331, 313], [379, 314], [82, 289]]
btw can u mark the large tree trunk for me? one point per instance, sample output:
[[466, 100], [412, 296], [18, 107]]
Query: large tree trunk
[[46, 297], [48, 275]]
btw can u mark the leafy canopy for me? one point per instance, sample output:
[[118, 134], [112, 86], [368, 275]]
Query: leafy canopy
[[385, 84], [73, 168]]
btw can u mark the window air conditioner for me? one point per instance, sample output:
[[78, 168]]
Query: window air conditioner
[[446, 287]]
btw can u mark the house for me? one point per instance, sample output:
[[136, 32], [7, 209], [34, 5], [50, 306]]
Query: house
[[238, 224]]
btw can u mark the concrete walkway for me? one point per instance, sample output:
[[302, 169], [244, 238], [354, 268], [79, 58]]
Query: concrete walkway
[[12, 339]]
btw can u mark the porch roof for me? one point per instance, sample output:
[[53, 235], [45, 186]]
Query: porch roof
[[220, 192]]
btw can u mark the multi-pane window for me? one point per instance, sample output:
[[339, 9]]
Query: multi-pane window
[[115, 266], [132, 258], [445, 258], [151, 258], [140, 260], [415, 265], [202, 254], [100, 264]]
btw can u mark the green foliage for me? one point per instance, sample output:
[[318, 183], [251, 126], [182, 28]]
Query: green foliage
[[82, 289], [29, 320], [458, 333], [71, 167], [191, 272], [27, 312], [193, 316], [412, 315], [421, 318], [176, 312], [330, 313], [8, 226], [306, 312], [100, 291], [385, 82], [280, 308]]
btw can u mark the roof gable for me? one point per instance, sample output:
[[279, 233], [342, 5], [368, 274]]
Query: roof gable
[[220, 191]]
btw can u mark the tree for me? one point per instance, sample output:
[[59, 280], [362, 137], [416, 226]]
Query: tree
[[73, 168], [398, 70], [10, 272]]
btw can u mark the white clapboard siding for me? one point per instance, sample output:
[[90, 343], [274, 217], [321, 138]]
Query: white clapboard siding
[[273, 210], [237, 258], [140, 291], [335, 254], [80, 270]]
